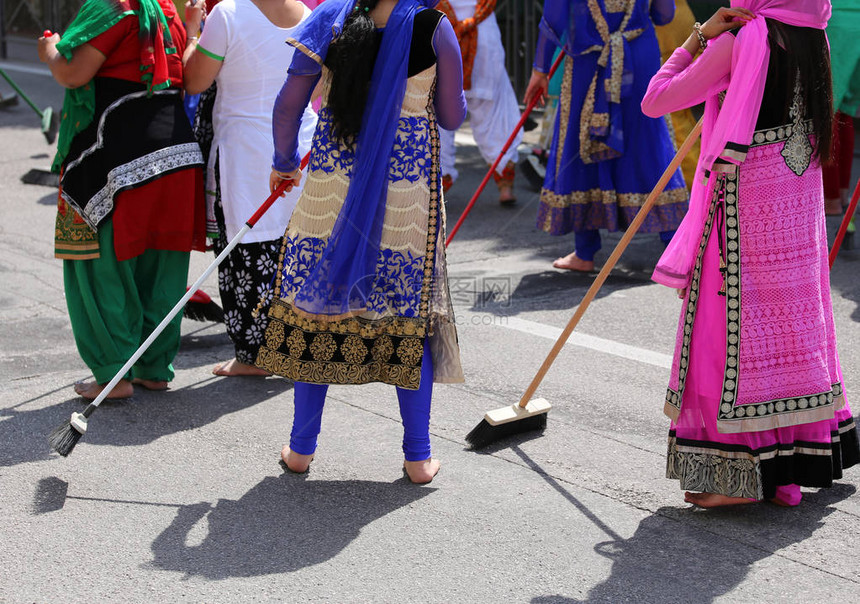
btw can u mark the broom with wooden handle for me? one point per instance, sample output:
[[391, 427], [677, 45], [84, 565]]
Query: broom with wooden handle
[[64, 438], [531, 414]]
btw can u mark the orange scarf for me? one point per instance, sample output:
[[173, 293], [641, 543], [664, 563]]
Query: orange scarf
[[467, 33]]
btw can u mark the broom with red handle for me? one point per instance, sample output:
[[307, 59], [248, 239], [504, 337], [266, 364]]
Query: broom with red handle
[[843, 228], [507, 146], [64, 438]]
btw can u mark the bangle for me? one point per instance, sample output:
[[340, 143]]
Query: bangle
[[697, 27], [194, 38]]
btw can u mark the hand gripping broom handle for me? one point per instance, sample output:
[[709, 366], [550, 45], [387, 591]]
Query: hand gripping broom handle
[[190, 292], [610, 263], [843, 228], [504, 150]]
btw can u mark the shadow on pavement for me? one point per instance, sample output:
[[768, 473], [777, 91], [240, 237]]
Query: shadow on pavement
[[685, 554], [281, 525], [137, 421], [547, 290]]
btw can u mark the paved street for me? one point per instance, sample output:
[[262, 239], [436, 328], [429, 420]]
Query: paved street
[[178, 497]]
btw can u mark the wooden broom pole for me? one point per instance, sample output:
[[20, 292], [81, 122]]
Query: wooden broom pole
[[610, 263]]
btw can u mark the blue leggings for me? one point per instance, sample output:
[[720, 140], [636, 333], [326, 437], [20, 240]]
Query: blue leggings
[[414, 412], [588, 243]]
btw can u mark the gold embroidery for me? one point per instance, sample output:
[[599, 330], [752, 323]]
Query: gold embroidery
[[564, 110], [323, 347], [354, 350], [410, 351], [596, 124], [275, 336], [382, 349], [555, 200], [296, 342]]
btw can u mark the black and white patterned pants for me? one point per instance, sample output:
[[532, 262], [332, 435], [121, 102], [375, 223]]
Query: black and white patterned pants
[[245, 281]]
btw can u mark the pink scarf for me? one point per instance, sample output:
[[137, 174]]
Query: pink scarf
[[727, 130]]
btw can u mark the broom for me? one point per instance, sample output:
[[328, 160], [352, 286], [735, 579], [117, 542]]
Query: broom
[[530, 414], [843, 228], [64, 438], [50, 120], [504, 150], [201, 307]]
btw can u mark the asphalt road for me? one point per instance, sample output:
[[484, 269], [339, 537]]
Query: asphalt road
[[177, 496]]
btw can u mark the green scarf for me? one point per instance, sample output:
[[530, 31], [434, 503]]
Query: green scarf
[[94, 18]]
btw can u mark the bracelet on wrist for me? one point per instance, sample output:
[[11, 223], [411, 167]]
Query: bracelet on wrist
[[697, 27]]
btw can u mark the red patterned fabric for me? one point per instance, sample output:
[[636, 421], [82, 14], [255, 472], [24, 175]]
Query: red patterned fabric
[[149, 217], [121, 45]]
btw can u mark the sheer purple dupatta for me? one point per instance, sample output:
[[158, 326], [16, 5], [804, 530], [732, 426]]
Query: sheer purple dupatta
[[341, 282], [727, 130]]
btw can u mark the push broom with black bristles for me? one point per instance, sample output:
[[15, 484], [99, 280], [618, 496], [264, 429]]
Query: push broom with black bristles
[[64, 438], [531, 414]]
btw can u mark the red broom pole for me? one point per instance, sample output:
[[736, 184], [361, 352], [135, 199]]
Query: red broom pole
[[507, 146], [843, 228]]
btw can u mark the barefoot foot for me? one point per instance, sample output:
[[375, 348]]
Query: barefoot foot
[[506, 196], [234, 367], [91, 390], [295, 462], [714, 500], [421, 472], [151, 384], [833, 207], [572, 262]]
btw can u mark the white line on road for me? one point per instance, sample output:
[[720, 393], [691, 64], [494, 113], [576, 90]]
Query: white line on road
[[591, 342]]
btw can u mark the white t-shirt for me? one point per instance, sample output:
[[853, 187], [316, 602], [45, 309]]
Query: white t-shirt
[[255, 58]]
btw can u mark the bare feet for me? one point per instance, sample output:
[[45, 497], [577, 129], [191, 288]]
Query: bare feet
[[151, 384], [714, 500], [295, 462], [421, 472], [90, 390], [506, 196], [572, 262], [833, 207], [234, 367]]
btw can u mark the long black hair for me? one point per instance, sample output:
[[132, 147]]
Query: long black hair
[[808, 61], [351, 58]]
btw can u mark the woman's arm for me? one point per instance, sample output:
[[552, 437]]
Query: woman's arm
[[205, 52], [290, 104], [680, 83], [81, 68], [662, 11], [450, 102]]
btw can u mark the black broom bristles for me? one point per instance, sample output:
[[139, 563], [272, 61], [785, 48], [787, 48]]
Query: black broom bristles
[[201, 307], [64, 438], [485, 433], [204, 311]]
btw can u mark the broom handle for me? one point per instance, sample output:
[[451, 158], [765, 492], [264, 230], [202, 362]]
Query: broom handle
[[504, 150], [21, 92], [610, 263], [190, 292], [843, 228]]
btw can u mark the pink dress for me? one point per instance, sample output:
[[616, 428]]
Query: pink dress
[[755, 395]]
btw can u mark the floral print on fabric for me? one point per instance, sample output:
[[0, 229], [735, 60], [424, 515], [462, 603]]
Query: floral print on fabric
[[410, 160], [396, 284]]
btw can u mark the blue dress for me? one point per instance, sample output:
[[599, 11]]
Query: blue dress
[[606, 155]]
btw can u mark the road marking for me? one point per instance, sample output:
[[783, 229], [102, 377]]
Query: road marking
[[25, 68], [591, 342]]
